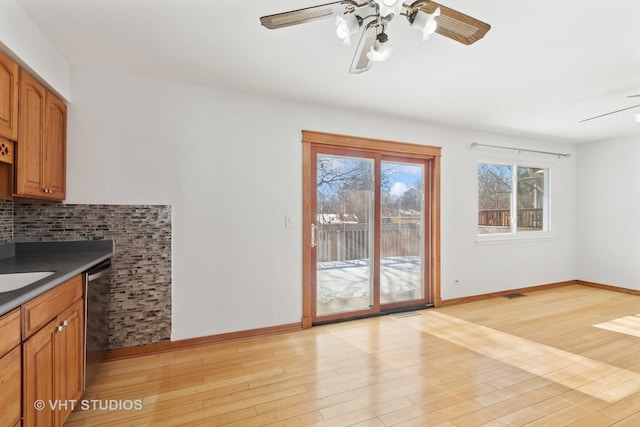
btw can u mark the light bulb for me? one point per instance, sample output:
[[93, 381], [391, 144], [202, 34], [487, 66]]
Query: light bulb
[[390, 6]]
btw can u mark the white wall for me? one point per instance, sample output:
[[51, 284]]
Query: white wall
[[231, 164], [490, 267], [609, 211], [24, 41]]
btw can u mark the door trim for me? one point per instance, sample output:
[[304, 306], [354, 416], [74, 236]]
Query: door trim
[[314, 138]]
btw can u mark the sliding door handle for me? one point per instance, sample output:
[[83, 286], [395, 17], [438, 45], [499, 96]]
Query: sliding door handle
[[314, 235]]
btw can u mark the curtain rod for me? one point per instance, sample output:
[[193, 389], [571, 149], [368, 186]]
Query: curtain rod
[[475, 144]]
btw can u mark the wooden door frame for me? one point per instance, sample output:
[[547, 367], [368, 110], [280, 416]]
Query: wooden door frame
[[314, 138]]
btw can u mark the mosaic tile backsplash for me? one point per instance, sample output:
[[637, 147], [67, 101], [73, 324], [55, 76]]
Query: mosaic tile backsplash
[[6, 221], [140, 297]]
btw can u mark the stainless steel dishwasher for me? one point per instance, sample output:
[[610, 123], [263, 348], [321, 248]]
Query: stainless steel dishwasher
[[98, 282]]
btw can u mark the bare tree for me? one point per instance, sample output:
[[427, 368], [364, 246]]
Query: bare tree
[[494, 186], [344, 187]]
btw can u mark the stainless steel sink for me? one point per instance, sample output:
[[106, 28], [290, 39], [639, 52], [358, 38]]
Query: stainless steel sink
[[13, 281]]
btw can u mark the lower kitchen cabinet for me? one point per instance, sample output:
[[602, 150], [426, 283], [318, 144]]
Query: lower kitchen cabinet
[[10, 369], [53, 361], [39, 388], [10, 381], [69, 358]]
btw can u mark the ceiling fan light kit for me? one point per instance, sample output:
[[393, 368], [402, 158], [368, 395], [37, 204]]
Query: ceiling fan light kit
[[371, 18]]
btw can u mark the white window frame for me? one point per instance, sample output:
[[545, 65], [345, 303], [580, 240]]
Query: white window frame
[[514, 235]]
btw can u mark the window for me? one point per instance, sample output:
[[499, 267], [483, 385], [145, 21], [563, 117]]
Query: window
[[512, 199]]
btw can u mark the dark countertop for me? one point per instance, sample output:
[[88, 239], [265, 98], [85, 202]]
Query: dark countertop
[[66, 259]]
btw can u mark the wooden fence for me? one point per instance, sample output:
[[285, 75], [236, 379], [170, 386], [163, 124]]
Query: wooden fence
[[343, 242], [527, 218]]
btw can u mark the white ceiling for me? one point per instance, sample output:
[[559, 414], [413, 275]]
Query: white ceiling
[[542, 67]]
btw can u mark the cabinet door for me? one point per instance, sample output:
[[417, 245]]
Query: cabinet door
[[10, 384], [28, 150], [38, 354], [69, 360], [10, 369], [55, 148], [8, 97], [9, 331]]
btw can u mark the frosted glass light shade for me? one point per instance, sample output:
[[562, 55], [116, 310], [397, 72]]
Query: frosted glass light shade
[[379, 52], [345, 27], [426, 23]]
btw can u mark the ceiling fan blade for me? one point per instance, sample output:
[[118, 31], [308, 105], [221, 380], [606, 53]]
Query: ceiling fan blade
[[361, 62], [456, 25], [606, 114], [308, 14]]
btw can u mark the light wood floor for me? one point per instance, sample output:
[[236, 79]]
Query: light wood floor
[[535, 361]]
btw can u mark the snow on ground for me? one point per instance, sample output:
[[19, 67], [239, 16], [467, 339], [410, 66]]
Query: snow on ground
[[341, 285]]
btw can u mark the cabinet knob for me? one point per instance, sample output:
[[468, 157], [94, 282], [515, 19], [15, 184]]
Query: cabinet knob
[[60, 328], [65, 323]]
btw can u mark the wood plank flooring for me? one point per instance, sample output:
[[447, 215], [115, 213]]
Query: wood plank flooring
[[538, 360]]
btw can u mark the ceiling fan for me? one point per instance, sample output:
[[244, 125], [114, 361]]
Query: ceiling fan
[[371, 17], [635, 116]]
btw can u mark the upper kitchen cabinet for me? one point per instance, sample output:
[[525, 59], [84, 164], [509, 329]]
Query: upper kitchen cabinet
[[40, 164], [55, 147], [8, 98]]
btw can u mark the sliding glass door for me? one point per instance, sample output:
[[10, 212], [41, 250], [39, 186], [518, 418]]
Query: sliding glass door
[[368, 225], [343, 234], [402, 232]]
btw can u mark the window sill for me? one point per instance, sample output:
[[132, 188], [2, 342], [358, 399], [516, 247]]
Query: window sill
[[496, 239]]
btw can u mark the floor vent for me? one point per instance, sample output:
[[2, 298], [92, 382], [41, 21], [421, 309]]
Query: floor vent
[[405, 314], [516, 295]]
